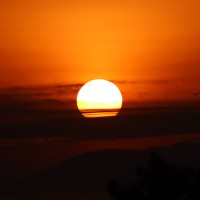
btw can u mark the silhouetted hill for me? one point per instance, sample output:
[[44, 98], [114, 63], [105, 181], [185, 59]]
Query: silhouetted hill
[[89, 173]]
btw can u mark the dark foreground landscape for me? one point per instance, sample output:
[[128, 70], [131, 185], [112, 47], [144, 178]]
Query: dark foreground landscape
[[109, 174], [49, 151]]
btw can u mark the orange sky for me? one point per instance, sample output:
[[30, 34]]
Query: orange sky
[[46, 41]]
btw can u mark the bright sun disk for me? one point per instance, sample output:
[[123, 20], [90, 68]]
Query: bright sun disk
[[99, 98]]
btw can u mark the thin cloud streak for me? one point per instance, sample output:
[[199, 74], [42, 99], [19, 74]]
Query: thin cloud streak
[[70, 144]]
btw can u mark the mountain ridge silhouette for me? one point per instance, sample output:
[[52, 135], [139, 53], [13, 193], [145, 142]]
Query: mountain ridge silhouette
[[93, 170]]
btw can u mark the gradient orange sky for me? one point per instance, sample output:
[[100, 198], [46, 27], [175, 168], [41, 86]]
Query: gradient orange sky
[[47, 42]]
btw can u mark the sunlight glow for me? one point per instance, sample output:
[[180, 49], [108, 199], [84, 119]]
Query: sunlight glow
[[99, 98]]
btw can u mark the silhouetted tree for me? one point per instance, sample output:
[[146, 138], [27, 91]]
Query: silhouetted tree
[[125, 193], [159, 181]]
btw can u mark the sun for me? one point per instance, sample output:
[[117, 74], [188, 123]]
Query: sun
[[99, 98]]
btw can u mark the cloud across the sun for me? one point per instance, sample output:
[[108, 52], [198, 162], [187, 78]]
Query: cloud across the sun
[[63, 96]]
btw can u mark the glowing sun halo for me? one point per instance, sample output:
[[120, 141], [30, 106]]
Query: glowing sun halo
[[99, 98]]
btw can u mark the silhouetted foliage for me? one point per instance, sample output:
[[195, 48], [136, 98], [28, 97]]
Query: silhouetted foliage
[[159, 180]]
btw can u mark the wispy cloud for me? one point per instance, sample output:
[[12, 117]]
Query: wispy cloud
[[63, 96], [143, 81], [196, 93], [98, 144], [44, 97]]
